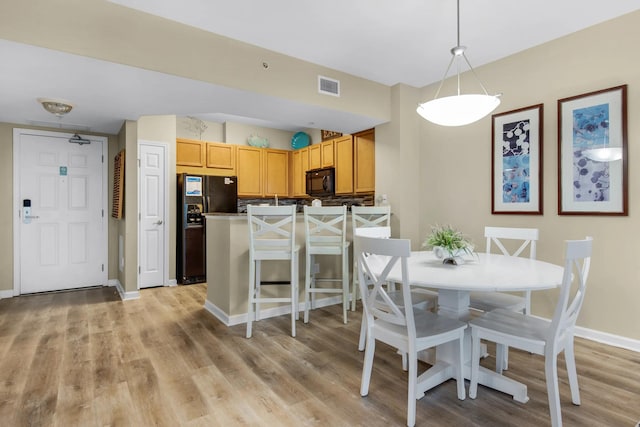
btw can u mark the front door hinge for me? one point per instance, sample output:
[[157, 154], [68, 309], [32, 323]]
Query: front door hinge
[[102, 267]]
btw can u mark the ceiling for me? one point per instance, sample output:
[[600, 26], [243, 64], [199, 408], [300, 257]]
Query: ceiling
[[405, 41]]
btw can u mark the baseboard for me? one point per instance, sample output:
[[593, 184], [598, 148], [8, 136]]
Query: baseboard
[[6, 294], [172, 282], [609, 339], [267, 313], [124, 296]]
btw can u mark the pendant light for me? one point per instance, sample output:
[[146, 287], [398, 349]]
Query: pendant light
[[459, 109]]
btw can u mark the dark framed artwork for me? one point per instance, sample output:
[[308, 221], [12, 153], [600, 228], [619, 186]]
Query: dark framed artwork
[[592, 153], [516, 166]]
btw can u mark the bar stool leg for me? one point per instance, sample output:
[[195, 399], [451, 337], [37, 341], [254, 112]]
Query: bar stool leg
[[307, 287], [345, 284], [252, 282]]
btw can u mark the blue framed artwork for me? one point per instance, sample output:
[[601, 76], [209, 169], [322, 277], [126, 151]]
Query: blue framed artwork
[[592, 153], [516, 167]]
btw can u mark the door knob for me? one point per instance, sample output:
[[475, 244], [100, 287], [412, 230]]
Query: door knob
[[158, 222]]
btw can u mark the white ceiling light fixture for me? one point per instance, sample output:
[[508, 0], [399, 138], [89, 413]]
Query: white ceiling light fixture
[[458, 110], [58, 107]]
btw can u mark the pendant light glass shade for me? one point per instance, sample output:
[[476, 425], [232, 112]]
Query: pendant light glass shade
[[459, 109]]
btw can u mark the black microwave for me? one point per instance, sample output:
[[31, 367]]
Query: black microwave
[[321, 182]]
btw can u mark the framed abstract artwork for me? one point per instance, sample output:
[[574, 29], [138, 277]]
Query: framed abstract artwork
[[516, 167], [592, 153]]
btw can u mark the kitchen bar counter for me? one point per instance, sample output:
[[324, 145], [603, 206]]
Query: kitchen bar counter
[[227, 242]]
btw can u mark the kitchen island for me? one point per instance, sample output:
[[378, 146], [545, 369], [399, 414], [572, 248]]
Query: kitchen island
[[227, 240]]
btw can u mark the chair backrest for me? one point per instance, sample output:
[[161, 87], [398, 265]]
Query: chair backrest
[[376, 258], [271, 230], [379, 232], [574, 283], [325, 225], [529, 237], [370, 216]]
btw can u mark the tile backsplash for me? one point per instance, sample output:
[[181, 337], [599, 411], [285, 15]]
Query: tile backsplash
[[349, 200]]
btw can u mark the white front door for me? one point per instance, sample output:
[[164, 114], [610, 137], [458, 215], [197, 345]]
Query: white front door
[[152, 227], [60, 240]]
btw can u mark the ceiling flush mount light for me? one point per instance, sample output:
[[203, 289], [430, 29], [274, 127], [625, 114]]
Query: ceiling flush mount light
[[458, 110], [59, 107]]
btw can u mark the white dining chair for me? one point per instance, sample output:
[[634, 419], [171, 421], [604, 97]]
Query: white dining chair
[[325, 234], [367, 217], [272, 238], [519, 242], [547, 338], [408, 330], [525, 238]]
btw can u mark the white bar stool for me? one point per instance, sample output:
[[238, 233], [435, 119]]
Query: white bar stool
[[272, 237], [325, 232]]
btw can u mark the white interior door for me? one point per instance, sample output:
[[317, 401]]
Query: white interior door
[[61, 241], [152, 227]]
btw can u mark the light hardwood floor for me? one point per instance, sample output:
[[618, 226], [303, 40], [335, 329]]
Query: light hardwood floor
[[85, 358]]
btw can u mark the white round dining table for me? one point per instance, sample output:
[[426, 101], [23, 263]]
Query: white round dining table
[[479, 272]]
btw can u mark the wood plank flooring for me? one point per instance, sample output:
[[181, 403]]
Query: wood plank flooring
[[85, 358]]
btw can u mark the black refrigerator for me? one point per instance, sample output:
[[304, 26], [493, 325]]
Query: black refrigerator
[[196, 195]]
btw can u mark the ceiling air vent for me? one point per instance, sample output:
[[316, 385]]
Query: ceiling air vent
[[328, 86]]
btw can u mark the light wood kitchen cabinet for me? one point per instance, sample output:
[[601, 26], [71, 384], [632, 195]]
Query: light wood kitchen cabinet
[[299, 167], [221, 156], [315, 156], [249, 171], [364, 162], [343, 147], [276, 173], [327, 158], [190, 153]]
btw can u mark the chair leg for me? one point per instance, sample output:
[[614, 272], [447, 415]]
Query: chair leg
[[257, 285], [459, 369], [411, 392], [571, 371], [307, 286], [475, 363], [354, 285], [367, 365], [553, 394], [294, 294], [505, 358], [252, 279], [345, 285], [363, 332]]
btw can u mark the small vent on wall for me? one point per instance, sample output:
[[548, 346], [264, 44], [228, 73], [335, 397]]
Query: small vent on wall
[[328, 86]]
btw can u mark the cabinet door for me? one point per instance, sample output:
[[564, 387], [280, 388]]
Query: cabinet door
[[221, 156], [249, 171], [315, 156], [190, 153], [328, 153], [300, 164], [276, 173], [364, 162], [344, 165]]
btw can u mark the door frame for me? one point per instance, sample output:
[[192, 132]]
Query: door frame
[[17, 208], [165, 222]]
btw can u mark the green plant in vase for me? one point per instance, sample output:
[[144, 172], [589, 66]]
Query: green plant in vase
[[449, 244]]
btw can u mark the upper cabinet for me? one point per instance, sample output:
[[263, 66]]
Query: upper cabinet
[[276, 173], [315, 156], [343, 149], [249, 171], [364, 162], [299, 167], [221, 156], [190, 153], [327, 157]]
